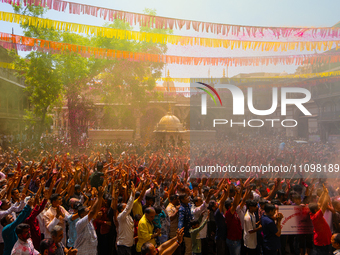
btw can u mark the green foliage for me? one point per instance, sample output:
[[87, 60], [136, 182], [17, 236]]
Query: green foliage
[[128, 81], [43, 85], [32, 31], [43, 81], [54, 78]]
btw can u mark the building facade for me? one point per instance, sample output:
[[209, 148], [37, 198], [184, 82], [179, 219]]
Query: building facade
[[13, 98]]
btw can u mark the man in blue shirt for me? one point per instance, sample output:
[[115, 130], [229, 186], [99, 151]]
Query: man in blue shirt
[[271, 230], [72, 220], [9, 224], [184, 219]]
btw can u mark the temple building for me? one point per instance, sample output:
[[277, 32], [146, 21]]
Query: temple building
[[169, 130]]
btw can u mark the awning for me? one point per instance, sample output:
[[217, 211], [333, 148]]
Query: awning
[[13, 82]]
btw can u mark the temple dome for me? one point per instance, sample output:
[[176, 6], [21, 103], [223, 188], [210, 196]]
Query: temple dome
[[169, 123]]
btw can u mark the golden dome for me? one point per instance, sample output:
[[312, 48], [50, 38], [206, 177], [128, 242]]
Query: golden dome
[[170, 123]]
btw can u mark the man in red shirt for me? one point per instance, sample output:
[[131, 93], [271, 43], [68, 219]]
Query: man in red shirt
[[32, 220], [234, 229], [322, 232]]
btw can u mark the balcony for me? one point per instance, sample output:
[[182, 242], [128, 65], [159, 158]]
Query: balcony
[[6, 113]]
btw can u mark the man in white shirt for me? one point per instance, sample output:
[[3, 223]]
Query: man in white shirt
[[329, 219], [172, 210], [24, 245], [125, 225], [87, 241], [56, 215], [198, 210], [250, 229]]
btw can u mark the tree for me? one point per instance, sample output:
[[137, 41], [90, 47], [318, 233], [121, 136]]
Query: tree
[[77, 74], [41, 78], [122, 80], [43, 85], [126, 81], [69, 72]]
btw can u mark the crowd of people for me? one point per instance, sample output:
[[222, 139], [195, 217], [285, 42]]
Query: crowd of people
[[134, 199]]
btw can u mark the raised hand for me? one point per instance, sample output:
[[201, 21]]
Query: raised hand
[[31, 202], [46, 194], [58, 212], [133, 188], [23, 196], [94, 192], [180, 234], [100, 191], [324, 188], [211, 192], [156, 184], [72, 252], [279, 216]]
